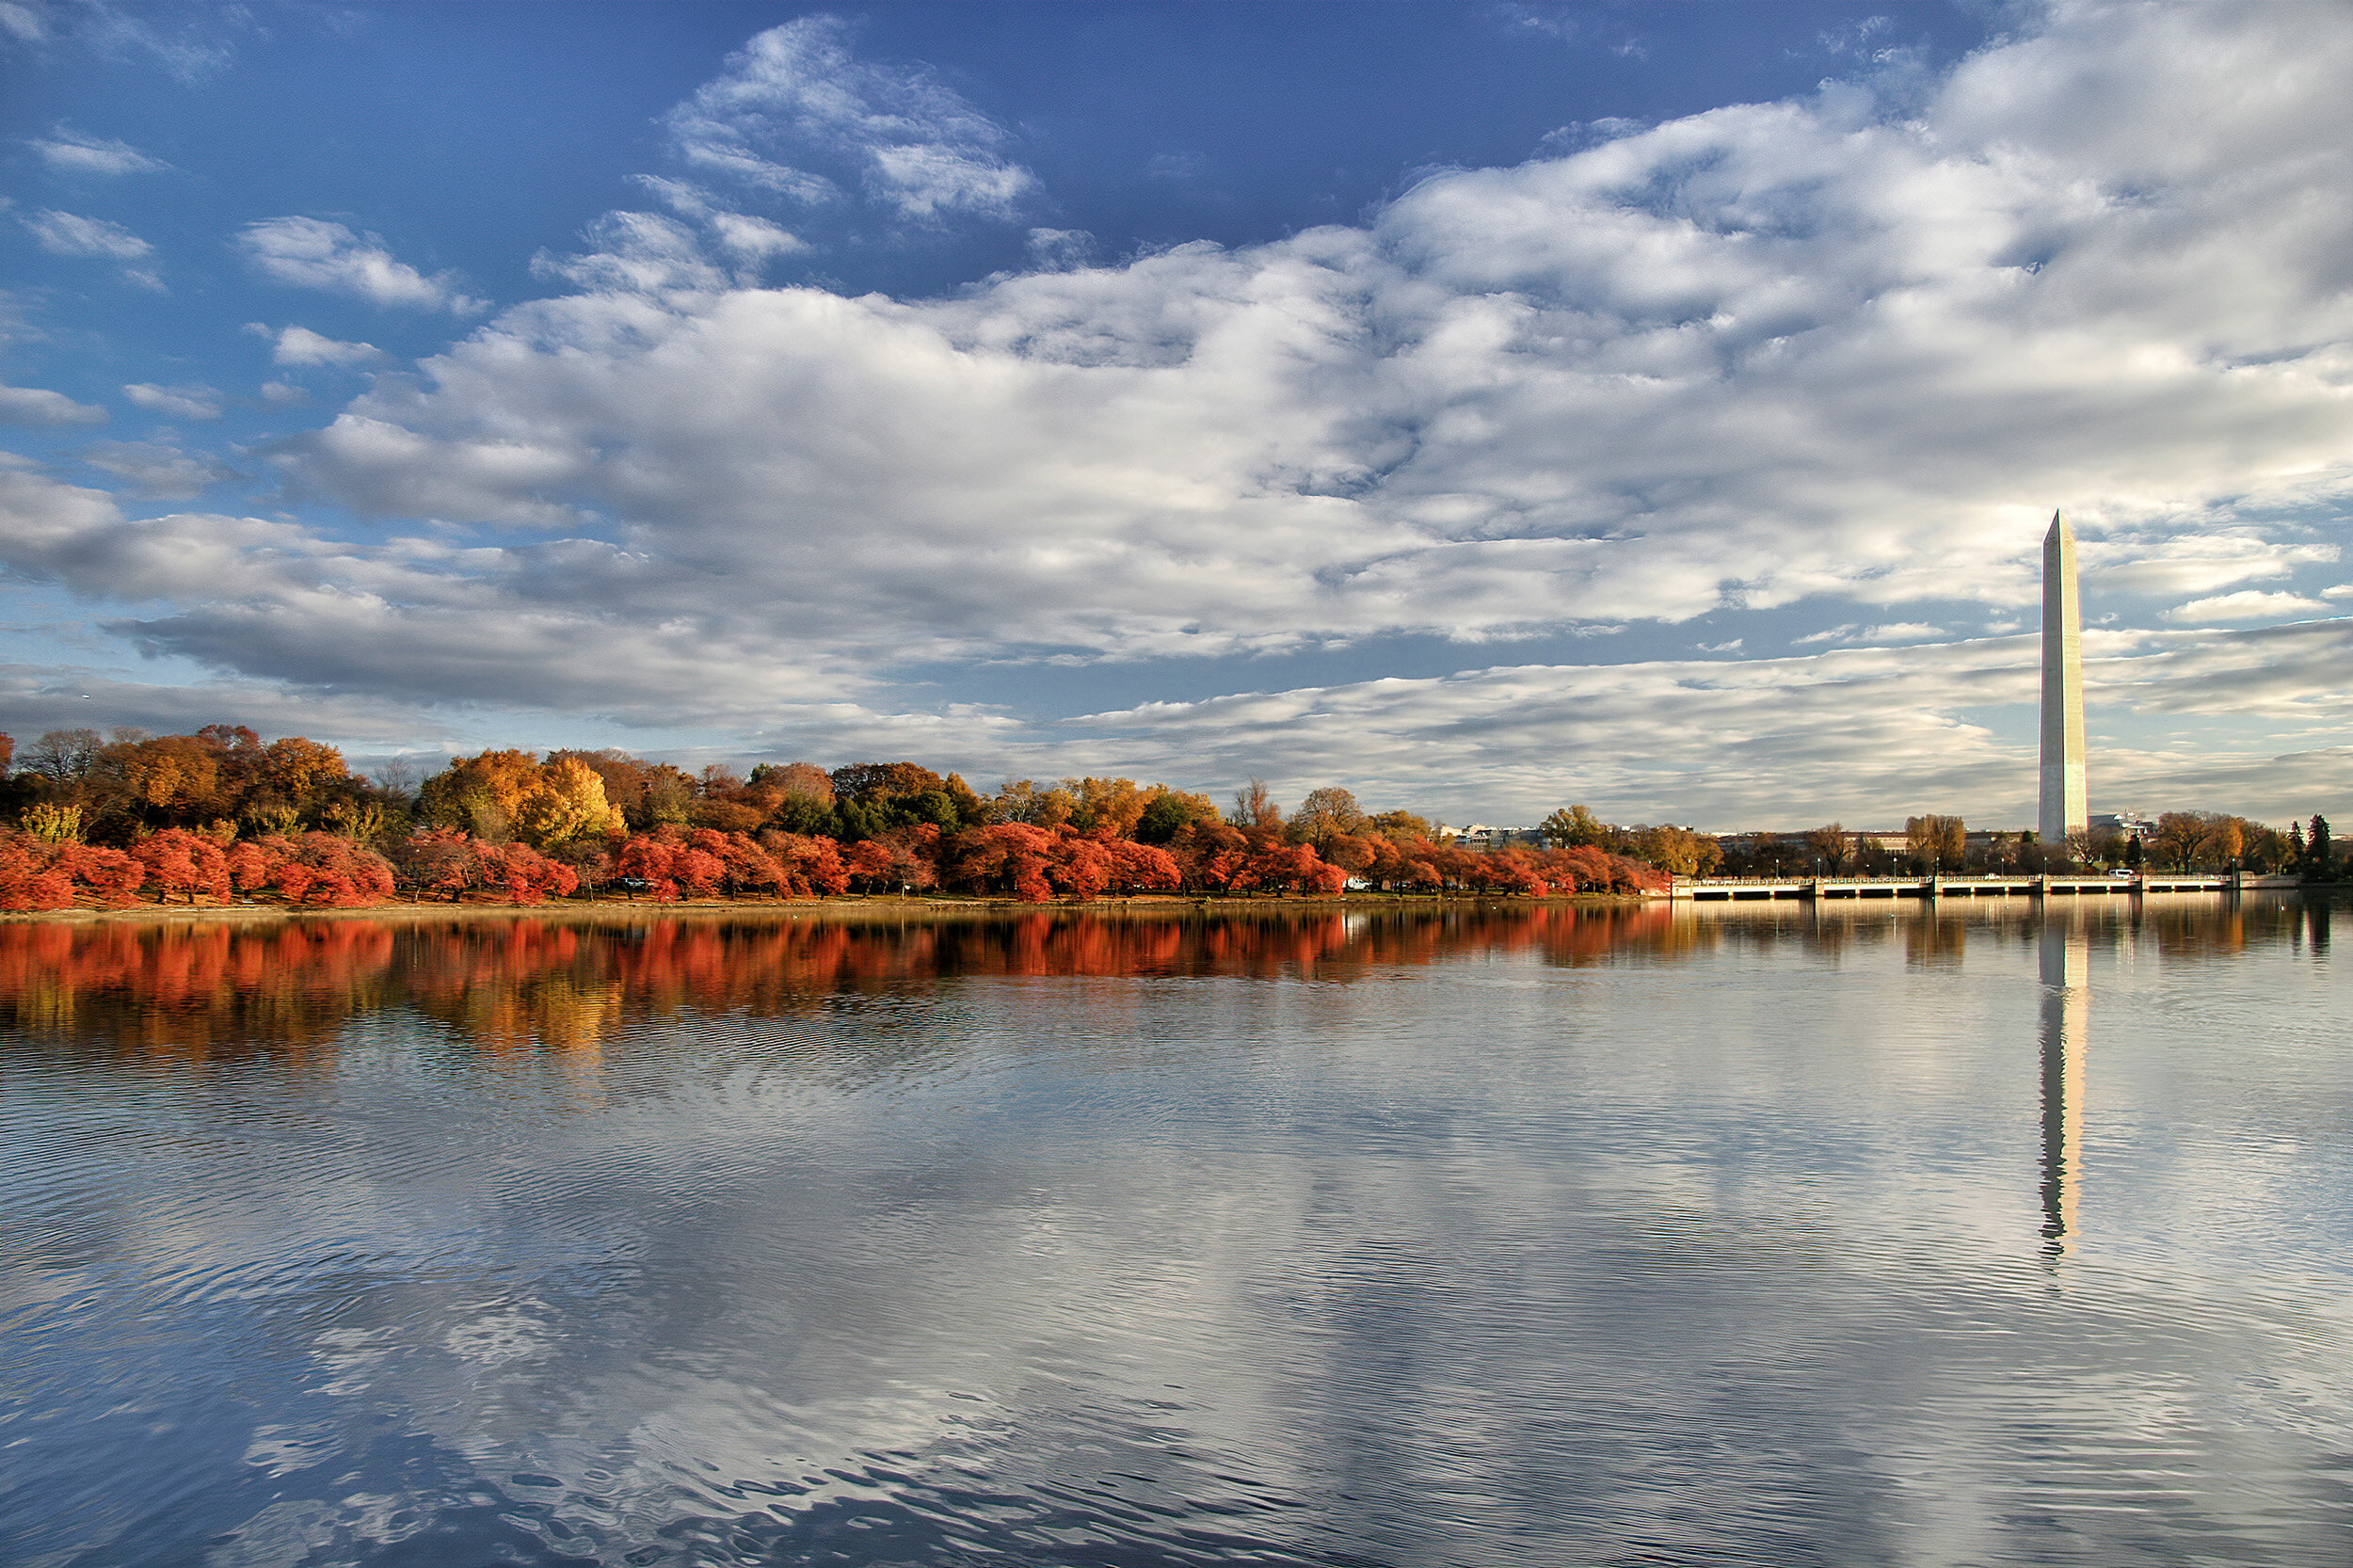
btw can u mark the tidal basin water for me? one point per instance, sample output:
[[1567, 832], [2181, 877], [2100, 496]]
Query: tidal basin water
[[1564, 1236]]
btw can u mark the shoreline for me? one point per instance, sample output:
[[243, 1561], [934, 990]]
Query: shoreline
[[859, 908], [853, 909]]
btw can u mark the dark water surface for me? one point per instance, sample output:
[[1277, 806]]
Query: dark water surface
[[1631, 1235]]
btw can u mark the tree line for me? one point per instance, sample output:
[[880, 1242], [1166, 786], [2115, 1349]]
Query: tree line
[[2178, 841], [220, 815]]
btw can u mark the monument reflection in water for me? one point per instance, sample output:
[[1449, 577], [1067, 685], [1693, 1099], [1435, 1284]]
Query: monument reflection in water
[[1475, 1236], [2066, 953]]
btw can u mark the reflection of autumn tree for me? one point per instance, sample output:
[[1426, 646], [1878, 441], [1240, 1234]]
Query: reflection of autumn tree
[[190, 993], [527, 986]]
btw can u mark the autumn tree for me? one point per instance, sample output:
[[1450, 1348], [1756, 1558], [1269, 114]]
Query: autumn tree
[[796, 781], [480, 794], [1935, 842], [1325, 814], [1022, 800], [1169, 811], [1106, 806], [1574, 827], [565, 801], [1254, 806], [1677, 851]]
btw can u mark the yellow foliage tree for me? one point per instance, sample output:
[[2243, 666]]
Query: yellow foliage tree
[[565, 801], [482, 794]]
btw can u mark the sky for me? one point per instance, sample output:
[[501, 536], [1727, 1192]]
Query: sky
[[1482, 408]]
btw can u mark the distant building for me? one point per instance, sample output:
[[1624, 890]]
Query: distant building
[[1483, 836]]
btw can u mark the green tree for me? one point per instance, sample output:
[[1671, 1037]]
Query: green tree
[[1575, 827]]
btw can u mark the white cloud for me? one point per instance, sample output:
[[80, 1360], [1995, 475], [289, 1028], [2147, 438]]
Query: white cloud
[[65, 235], [637, 252], [299, 346], [2247, 604], [2342, 590], [283, 394], [192, 403], [739, 234], [309, 252], [752, 237], [1767, 355], [160, 471], [43, 409], [1811, 358], [1060, 250], [70, 151], [796, 116]]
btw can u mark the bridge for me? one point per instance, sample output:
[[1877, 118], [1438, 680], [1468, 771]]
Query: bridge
[[2056, 885]]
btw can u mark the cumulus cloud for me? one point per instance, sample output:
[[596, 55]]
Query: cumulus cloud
[[799, 117], [159, 469], [65, 235], [2247, 604], [1764, 355], [191, 403], [1816, 354], [312, 253], [70, 151], [299, 346], [43, 409], [412, 619]]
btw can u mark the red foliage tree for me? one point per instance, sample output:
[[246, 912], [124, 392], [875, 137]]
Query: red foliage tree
[[29, 875], [811, 867], [1003, 857], [112, 876], [179, 861], [317, 869]]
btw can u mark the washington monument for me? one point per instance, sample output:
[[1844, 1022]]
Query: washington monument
[[2065, 810]]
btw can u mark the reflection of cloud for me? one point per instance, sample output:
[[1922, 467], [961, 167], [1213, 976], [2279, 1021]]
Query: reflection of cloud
[[1474, 1261]]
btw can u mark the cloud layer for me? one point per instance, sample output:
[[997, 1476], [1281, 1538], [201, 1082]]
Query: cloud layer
[[1833, 358]]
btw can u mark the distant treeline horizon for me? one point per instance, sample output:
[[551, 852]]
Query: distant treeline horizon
[[220, 813]]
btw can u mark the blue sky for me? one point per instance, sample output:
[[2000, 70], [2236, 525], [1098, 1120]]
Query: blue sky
[[1483, 408]]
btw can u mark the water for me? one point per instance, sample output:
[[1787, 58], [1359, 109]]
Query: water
[[1737, 1236]]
